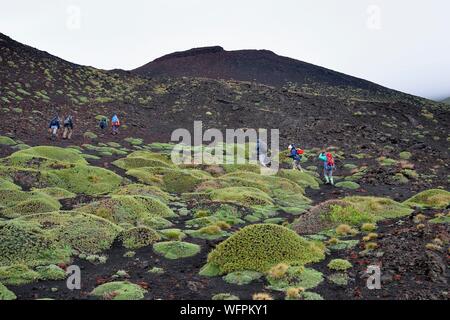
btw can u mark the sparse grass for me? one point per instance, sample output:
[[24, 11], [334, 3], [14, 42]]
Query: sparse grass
[[339, 265]]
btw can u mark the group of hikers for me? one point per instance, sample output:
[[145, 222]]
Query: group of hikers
[[296, 154], [68, 124], [329, 165]]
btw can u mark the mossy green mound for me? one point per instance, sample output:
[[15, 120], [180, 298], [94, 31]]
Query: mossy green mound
[[128, 209], [224, 296], [24, 158], [6, 184], [434, 198], [119, 290], [16, 203], [31, 206], [156, 222], [285, 193], [144, 190], [171, 180], [176, 249], [85, 180], [139, 237], [380, 208], [339, 265], [23, 242], [259, 247], [51, 272], [6, 294], [56, 193], [7, 141], [296, 277], [77, 231], [141, 159], [348, 185], [241, 195], [353, 211], [303, 179], [242, 277], [18, 275]]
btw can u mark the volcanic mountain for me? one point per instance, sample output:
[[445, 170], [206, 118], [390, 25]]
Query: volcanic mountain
[[261, 66], [322, 107]]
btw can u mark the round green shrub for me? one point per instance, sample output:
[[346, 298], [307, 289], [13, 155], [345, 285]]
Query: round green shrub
[[26, 242], [259, 247], [139, 237], [339, 265]]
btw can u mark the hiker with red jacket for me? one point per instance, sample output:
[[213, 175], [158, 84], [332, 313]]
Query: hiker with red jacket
[[115, 123], [328, 167], [296, 155]]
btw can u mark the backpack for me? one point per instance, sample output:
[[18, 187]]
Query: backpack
[[300, 151], [68, 120], [330, 160]]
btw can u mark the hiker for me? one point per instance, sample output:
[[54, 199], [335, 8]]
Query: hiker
[[103, 123], [54, 126], [115, 123], [328, 166], [68, 127], [296, 155], [261, 151]]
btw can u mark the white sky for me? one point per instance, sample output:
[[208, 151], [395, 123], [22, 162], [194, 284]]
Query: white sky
[[401, 44]]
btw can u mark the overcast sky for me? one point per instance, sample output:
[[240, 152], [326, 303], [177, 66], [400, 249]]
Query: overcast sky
[[401, 44]]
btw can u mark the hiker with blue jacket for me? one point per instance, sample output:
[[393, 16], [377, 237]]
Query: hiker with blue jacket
[[54, 127], [115, 124], [296, 155]]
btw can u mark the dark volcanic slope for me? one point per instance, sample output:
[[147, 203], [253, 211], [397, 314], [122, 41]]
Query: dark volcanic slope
[[261, 66], [35, 85]]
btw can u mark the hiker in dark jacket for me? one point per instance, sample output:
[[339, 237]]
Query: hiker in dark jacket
[[68, 127], [103, 123], [54, 127], [295, 155]]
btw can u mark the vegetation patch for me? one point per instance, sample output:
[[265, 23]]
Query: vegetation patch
[[119, 290], [434, 198], [295, 277], [139, 237], [259, 247], [23, 242], [6, 294], [348, 185], [242, 277], [83, 233], [132, 210], [176, 249], [339, 265]]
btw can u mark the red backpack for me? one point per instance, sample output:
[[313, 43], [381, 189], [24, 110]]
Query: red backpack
[[330, 160], [300, 151]]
